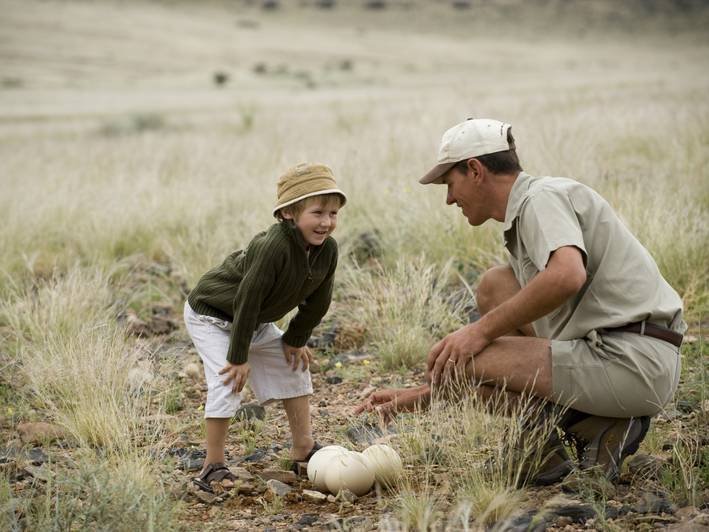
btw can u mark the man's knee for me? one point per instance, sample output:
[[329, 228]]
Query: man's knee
[[496, 285]]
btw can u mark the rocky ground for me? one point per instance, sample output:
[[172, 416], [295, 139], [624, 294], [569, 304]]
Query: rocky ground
[[267, 496]]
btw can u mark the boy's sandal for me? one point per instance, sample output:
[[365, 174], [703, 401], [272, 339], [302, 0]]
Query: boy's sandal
[[213, 473], [300, 467]]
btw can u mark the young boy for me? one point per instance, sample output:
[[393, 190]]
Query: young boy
[[230, 313]]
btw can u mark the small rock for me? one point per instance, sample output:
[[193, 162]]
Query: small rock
[[42, 473], [250, 411], [287, 477], [203, 496], [39, 433], [314, 496], [652, 503], [241, 474], [333, 379], [37, 456], [257, 456], [331, 498], [245, 487], [191, 464], [307, 519], [562, 506], [277, 488], [645, 466]]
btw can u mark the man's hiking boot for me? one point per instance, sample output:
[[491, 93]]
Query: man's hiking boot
[[546, 464], [602, 443], [549, 466]]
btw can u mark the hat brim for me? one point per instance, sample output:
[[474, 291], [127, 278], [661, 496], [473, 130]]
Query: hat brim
[[310, 195], [434, 176]]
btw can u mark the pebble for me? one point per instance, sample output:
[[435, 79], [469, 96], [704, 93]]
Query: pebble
[[241, 473], [645, 466], [308, 519], [42, 472], [257, 456], [287, 477], [277, 488], [651, 503], [314, 496], [205, 497], [565, 507]]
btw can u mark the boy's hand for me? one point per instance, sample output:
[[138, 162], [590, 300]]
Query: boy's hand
[[238, 373], [295, 355]]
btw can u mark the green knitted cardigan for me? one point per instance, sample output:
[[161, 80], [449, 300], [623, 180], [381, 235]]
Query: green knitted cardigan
[[262, 283]]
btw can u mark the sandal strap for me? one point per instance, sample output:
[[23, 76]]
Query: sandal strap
[[215, 472], [315, 449]]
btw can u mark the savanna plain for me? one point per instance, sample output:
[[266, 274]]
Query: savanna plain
[[140, 142]]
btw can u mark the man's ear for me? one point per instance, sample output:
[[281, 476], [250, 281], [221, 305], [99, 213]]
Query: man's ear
[[477, 170], [286, 215]]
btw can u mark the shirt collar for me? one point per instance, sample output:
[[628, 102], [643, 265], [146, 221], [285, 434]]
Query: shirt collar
[[514, 200]]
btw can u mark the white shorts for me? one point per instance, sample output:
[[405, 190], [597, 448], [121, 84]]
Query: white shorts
[[271, 377]]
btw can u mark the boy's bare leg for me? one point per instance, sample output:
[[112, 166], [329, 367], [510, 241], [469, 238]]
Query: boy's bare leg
[[217, 428], [298, 412]]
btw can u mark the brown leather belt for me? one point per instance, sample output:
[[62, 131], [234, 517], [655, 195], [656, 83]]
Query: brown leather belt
[[650, 329]]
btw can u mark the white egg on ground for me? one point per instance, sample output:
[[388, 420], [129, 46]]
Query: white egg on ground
[[384, 462], [349, 472], [318, 463]]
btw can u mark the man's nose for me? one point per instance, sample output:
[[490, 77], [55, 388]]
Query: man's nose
[[449, 199]]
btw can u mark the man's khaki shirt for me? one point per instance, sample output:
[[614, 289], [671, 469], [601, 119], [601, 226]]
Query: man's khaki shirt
[[623, 282]]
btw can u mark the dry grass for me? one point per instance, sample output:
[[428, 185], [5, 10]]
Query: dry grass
[[116, 148]]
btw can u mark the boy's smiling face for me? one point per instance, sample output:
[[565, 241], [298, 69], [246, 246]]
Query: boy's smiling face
[[317, 220]]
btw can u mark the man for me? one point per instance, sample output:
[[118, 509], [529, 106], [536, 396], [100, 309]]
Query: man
[[580, 317]]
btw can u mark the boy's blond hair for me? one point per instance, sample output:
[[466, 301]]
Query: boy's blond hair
[[296, 209]]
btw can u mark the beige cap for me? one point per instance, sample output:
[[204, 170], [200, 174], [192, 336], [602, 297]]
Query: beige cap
[[472, 138], [304, 181]]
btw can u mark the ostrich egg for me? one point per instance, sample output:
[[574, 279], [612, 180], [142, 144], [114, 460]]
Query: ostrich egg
[[318, 462], [384, 463], [348, 471]]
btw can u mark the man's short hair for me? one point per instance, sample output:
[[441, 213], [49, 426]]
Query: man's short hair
[[501, 162]]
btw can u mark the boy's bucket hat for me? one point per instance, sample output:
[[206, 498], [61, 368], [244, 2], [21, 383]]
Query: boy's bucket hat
[[472, 138], [304, 181]]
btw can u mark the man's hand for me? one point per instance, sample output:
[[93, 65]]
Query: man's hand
[[452, 354], [238, 373], [387, 403], [296, 355]]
